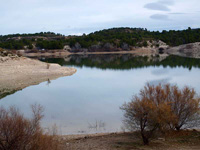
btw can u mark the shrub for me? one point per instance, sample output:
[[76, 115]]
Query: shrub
[[20, 133], [161, 108]]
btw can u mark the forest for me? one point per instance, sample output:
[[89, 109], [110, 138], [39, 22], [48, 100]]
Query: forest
[[117, 37]]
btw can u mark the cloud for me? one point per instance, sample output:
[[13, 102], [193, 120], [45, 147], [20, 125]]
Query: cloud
[[156, 6], [161, 5], [177, 13], [167, 2], [70, 17], [159, 17]]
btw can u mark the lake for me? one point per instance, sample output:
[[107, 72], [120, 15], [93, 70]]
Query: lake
[[89, 101]]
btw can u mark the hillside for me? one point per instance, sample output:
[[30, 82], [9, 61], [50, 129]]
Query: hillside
[[115, 39], [186, 50]]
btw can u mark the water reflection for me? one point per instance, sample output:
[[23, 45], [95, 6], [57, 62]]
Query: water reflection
[[89, 101], [48, 82], [125, 61]]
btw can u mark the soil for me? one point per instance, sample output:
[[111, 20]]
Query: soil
[[131, 141]]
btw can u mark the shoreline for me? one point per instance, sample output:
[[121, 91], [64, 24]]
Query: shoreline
[[19, 73], [191, 50], [61, 53], [84, 136]]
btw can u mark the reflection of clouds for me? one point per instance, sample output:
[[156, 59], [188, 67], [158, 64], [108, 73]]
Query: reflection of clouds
[[159, 17], [160, 72], [160, 81]]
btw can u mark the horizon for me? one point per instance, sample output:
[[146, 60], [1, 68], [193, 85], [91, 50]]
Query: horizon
[[75, 17], [102, 30]]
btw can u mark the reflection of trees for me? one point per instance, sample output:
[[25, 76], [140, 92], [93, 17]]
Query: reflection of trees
[[48, 82], [98, 125], [5, 92], [125, 61]]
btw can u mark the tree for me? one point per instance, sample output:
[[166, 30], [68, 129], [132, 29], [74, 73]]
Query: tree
[[139, 115], [185, 106], [30, 46], [161, 107], [145, 44]]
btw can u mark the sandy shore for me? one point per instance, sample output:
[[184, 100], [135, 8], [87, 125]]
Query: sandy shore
[[21, 72], [61, 53]]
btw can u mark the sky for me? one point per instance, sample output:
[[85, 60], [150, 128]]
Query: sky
[[75, 17]]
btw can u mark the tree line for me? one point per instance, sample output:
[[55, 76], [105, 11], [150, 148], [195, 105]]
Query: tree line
[[137, 37]]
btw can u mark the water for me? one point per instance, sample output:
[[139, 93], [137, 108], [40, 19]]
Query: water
[[89, 101]]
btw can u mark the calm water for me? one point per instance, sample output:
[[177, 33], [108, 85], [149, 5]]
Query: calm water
[[89, 101]]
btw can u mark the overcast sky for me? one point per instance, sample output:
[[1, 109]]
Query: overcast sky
[[85, 16]]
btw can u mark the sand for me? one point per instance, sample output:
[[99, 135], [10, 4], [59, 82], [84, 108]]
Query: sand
[[21, 72]]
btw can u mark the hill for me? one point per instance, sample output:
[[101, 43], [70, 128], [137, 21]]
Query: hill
[[115, 39]]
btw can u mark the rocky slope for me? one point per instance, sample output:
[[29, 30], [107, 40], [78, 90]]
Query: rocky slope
[[187, 50]]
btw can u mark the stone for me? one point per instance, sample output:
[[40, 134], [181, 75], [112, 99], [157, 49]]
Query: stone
[[125, 46], [67, 48], [108, 46], [77, 46]]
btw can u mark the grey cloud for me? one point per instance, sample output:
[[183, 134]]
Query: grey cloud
[[159, 17], [177, 13], [161, 5], [156, 6], [166, 2]]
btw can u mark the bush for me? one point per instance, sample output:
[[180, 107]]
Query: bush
[[161, 108], [20, 133]]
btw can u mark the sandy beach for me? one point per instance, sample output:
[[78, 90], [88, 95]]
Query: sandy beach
[[18, 73]]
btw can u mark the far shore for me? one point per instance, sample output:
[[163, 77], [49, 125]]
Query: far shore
[[62, 53], [191, 50]]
